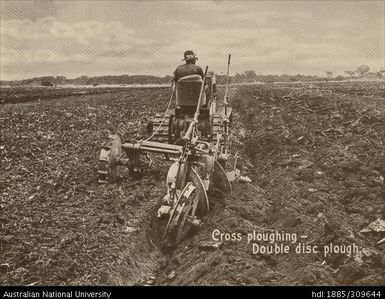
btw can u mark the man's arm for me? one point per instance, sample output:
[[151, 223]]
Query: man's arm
[[200, 72]]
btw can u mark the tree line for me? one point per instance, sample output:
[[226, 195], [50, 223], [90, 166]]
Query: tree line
[[85, 80], [362, 71]]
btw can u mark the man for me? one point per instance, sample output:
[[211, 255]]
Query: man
[[189, 68]]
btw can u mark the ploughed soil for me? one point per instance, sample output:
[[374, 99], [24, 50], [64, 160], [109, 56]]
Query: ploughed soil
[[314, 152], [59, 226], [21, 94]]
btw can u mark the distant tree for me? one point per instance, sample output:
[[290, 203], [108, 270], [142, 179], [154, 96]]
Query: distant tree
[[250, 76], [285, 78], [60, 80], [82, 80], [167, 79], [350, 73], [339, 78], [371, 74], [238, 78], [221, 79], [329, 74], [362, 70], [46, 83]]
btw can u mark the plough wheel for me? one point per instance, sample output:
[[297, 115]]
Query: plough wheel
[[182, 215], [110, 154], [177, 175]]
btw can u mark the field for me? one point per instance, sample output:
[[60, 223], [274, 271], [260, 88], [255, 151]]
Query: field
[[315, 154]]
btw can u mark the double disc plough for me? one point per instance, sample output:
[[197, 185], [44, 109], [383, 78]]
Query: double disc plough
[[195, 137]]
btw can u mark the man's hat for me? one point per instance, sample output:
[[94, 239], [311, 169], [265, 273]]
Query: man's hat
[[189, 55]]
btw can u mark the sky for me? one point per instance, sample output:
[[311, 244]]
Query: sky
[[94, 38]]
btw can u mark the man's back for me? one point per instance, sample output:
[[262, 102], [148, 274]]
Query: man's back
[[187, 69]]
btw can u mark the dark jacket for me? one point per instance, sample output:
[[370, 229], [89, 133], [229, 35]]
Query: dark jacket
[[187, 69]]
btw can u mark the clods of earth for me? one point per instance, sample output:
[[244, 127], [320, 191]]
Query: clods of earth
[[315, 154]]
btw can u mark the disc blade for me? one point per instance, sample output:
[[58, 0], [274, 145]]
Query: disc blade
[[203, 204], [220, 179]]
